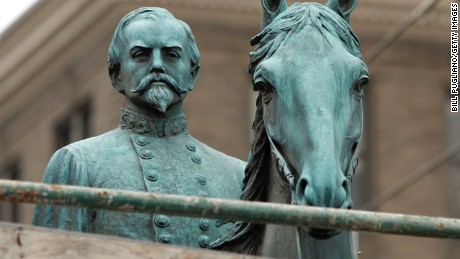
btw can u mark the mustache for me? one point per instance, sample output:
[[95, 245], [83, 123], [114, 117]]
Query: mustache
[[158, 77]]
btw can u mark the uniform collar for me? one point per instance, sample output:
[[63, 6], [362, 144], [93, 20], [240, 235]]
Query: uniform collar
[[141, 124]]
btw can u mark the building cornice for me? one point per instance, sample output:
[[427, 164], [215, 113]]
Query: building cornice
[[50, 38]]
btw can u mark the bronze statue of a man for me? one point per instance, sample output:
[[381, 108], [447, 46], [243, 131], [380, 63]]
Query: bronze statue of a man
[[153, 61]]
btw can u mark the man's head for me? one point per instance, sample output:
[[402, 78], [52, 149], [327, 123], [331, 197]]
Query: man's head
[[153, 58]]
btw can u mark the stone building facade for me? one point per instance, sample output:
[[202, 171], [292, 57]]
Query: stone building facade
[[55, 89]]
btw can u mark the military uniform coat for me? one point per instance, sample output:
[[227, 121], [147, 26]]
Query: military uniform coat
[[148, 156]]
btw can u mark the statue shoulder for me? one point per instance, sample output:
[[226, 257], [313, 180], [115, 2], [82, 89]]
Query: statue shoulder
[[108, 140], [76, 159], [225, 161]]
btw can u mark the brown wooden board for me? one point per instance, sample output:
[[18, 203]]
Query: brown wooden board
[[23, 241]]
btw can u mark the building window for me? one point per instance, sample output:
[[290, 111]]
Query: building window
[[75, 126], [9, 211]]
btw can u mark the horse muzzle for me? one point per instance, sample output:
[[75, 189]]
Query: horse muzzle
[[324, 191]]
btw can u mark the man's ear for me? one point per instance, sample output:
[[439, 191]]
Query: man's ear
[[115, 77], [194, 73]]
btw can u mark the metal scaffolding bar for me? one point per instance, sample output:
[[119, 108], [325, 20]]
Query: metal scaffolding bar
[[313, 217]]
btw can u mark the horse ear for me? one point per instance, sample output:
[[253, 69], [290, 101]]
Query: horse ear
[[271, 9], [343, 7]]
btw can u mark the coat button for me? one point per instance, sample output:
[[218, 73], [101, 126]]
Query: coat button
[[142, 141], [196, 159], [146, 154], [202, 193], [152, 176], [204, 224], [219, 223], [191, 147], [161, 221], [201, 179], [204, 241], [165, 238]]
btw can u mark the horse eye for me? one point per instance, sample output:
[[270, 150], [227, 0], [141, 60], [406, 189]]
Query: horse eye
[[358, 88], [263, 87], [258, 86]]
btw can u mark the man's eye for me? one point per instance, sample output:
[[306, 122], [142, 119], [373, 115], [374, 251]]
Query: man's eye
[[172, 55], [140, 54]]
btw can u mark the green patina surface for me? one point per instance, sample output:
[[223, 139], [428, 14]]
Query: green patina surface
[[310, 75], [153, 61]]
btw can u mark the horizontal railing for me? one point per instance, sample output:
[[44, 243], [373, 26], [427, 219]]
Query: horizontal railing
[[260, 212]]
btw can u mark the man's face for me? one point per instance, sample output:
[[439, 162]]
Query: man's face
[[155, 65]]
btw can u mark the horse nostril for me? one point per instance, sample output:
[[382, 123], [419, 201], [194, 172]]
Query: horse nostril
[[347, 203], [302, 185], [332, 194], [345, 185], [301, 189]]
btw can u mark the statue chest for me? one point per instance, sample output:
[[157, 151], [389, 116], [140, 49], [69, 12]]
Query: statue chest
[[175, 165]]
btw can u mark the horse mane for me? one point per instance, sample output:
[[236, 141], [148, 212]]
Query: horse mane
[[294, 19], [244, 236], [247, 237]]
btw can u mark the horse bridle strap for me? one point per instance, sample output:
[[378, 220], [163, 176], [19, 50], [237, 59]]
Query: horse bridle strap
[[352, 165], [282, 167]]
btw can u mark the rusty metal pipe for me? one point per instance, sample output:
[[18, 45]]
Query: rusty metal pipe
[[314, 217]]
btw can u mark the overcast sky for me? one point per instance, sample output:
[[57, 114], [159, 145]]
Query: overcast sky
[[11, 10]]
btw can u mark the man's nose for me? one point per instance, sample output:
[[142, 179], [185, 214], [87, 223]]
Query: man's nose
[[157, 63]]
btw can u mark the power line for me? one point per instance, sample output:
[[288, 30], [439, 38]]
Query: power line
[[394, 34], [412, 178]]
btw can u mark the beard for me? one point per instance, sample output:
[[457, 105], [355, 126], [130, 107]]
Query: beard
[[159, 96]]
